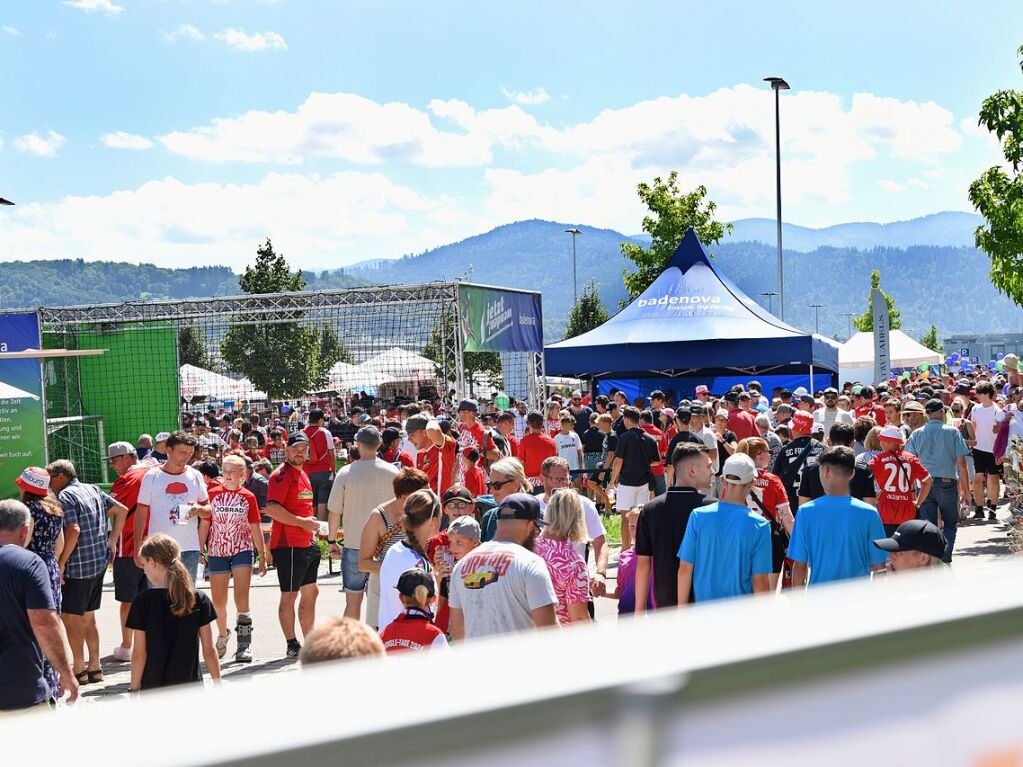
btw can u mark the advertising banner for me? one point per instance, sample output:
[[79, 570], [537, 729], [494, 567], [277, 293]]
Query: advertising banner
[[882, 348], [22, 426], [496, 320]]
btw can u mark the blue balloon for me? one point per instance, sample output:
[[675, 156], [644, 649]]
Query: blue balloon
[[948, 362], [968, 368], [954, 357], [991, 365], [999, 356], [963, 364]]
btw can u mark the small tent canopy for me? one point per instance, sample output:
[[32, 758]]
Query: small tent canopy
[[397, 364], [345, 377], [856, 356], [691, 321], [198, 382]]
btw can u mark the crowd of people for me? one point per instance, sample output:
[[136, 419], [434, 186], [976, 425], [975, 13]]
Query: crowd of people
[[455, 521]]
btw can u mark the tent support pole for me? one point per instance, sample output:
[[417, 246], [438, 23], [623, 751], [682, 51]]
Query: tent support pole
[[812, 390]]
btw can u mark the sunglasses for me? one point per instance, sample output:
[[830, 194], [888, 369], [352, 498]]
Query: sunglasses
[[500, 484]]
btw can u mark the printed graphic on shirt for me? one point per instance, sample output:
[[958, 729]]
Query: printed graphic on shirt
[[178, 491], [480, 570]]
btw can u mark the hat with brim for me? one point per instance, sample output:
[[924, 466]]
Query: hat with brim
[[521, 506], [912, 407], [34, 480], [891, 434], [915, 535]]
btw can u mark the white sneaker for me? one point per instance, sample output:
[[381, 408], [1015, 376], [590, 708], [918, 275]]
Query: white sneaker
[[222, 644], [122, 654]]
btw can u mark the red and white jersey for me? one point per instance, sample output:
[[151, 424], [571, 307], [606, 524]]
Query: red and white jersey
[[412, 631], [233, 512]]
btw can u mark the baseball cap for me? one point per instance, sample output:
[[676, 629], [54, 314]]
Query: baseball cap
[[416, 423], [466, 526], [739, 468], [671, 413], [934, 406], [892, 433], [368, 435], [468, 404], [831, 391], [701, 389], [412, 579], [34, 480], [915, 535], [117, 449], [721, 413], [389, 434], [521, 506], [799, 391], [784, 409], [163, 436], [457, 491], [297, 438], [802, 422], [856, 390]]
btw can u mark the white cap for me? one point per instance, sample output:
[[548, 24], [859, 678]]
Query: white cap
[[799, 391], [894, 433], [163, 436], [721, 413], [739, 468]]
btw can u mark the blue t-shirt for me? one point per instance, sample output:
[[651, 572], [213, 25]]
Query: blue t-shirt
[[727, 545], [835, 536]]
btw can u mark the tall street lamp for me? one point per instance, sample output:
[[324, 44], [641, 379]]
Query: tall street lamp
[[850, 316], [816, 323], [575, 288], [778, 85], [770, 299]]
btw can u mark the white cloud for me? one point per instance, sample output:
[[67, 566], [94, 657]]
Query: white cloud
[[184, 32], [10, 31], [891, 186], [93, 6], [121, 140], [318, 222], [41, 146], [257, 42], [527, 98]]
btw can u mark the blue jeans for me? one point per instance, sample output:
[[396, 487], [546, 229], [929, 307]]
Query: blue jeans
[[944, 497], [190, 559]]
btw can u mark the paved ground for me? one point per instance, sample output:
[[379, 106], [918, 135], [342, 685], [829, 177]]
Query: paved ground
[[978, 545]]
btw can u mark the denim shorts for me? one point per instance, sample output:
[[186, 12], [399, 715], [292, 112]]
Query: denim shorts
[[354, 579], [224, 565]]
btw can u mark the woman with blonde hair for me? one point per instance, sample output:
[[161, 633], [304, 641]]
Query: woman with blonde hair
[[170, 621], [420, 521], [507, 476], [565, 525]]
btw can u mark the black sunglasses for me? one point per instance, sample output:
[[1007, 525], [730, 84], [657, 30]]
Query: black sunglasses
[[500, 484]]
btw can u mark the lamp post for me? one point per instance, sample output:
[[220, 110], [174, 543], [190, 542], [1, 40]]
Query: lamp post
[[849, 315], [778, 85], [575, 288], [816, 323], [770, 299]]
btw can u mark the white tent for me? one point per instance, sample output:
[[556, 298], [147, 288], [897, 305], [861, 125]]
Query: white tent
[[856, 356], [397, 364], [348, 378], [197, 382]]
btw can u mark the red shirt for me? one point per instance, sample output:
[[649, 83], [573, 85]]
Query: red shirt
[[398, 458], [412, 631], [321, 450], [290, 487], [234, 511], [662, 447], [872, 410], [742, 423], [475, 436], [439, 465], [894, 476], [442, 542], [125, 491], [534, 449], [771, 492], [475, 481], [274, 453]]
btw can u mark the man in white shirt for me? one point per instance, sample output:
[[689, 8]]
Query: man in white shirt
[[829, 415], [986, 416]]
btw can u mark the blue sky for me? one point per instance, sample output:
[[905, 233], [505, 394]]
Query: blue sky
[[182, 132]]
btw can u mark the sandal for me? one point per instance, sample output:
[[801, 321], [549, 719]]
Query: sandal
[[82, 677], [95, 676]]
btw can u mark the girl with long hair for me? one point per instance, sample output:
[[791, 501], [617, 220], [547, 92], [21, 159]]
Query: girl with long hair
[[170, 621], [421, 521], [565, 526]]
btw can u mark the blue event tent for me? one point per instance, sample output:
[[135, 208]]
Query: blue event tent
[[693, 326]]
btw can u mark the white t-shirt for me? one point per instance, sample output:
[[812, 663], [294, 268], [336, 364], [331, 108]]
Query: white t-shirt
[[829, 419], [984, 420], [397, 560], [569, 446], [594, 525], [497, 586], [163, 493]]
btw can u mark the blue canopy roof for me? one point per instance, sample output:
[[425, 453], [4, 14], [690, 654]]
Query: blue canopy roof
[[691, 318]]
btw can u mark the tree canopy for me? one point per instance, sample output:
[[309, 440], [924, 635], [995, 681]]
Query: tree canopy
[[931, 341], [587, 313], [865, 322], [672, 212]]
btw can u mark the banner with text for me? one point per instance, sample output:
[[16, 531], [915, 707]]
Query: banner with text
[[496, 320], [22, 426], [882, 348]]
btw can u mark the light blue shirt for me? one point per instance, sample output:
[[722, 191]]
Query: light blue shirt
[[835, 536], [938, 447], [727, 545]]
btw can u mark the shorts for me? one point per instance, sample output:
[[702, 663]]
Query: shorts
[[79, 596], [321, 482], [224, 565], [352, 577], [296, 567], [984, 463], [629, 496], [129, 579], [779, 545], [592, 461]]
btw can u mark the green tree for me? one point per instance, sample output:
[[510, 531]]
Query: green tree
[[998, 194], [930, 340], [672, 212], [284, 359], [331, 347], [587, 313], [192, 348], [486, 363], [865, 322]]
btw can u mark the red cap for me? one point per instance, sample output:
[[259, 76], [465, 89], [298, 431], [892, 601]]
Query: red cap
[[802, 422]]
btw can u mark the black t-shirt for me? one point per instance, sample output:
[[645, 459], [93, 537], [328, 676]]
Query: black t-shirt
[[582, 419], [596, 441], [172, 643], [730, 439], [348, 431], [678, 439], [659, 531], [618, 426], [638, 450], [24, 585], [861, 486], [789, 454]]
